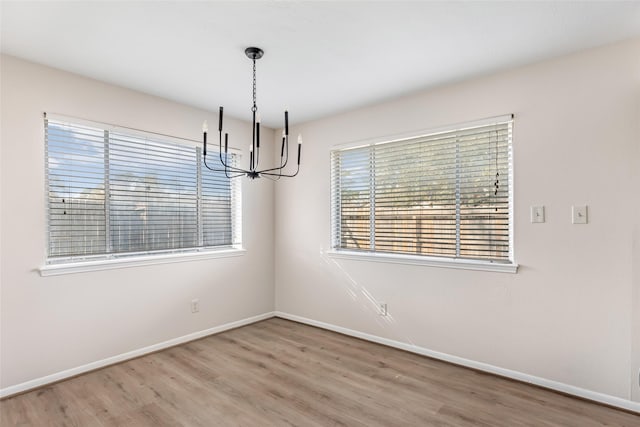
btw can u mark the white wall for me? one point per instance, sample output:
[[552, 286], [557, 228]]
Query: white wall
[[50, 324], [635, 254], [571, 314], [566, 315]]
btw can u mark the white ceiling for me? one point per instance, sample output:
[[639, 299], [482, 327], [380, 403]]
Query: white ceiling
[[321, 57]]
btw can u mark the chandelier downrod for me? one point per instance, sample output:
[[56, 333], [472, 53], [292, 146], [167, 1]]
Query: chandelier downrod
[[231, 171]]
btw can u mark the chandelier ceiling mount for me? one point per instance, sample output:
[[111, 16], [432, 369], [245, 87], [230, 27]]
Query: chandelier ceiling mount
[[254, 52]]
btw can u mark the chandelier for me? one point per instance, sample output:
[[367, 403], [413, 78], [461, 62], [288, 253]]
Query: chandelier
[[232, 171]]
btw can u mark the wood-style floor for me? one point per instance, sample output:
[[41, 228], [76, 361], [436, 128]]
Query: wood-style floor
[[281, 373]]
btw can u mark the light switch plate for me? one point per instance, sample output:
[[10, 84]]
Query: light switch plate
[[579, 214], [537, 214]]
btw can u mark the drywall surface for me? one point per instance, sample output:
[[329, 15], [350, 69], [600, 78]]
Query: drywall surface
[[566, 315], [635, 251], [51, 324]]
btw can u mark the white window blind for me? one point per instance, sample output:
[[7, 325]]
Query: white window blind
[[76, 191], [446, 194], [113, 192]]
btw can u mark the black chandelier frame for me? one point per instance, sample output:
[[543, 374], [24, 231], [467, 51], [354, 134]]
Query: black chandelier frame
[[231, 171]]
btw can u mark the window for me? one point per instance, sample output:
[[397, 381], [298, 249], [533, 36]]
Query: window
[[115, 193], [447, 194]]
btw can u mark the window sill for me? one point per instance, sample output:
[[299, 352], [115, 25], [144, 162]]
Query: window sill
[[137, 261], [462, 264]]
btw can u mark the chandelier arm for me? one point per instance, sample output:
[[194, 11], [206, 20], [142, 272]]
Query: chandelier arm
[[286, 157], [226, 166], [271, 169], [237, 174], [255, 159], [286, 149], [270, 178], [222, 170], [281, 175], [226, 170], [231, 168], [279, 169], [285, 141], [285, 163], [274, 169], [240, 171], [256, 156]]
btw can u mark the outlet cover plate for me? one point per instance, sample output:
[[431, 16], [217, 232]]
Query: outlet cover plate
[[579, 214], [537, 214], [383, 309]]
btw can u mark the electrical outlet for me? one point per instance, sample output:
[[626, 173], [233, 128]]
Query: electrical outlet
[[537, 214], [195, 305], [579, 214], [382, 307]]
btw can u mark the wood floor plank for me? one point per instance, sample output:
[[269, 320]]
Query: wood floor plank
[[354, 390], [281, 373]]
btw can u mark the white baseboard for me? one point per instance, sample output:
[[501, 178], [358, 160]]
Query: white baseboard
[[542, 382], [58, 376]]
